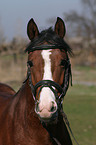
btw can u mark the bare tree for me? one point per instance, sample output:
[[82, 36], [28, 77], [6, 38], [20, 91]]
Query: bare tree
[[84, 23], [82, 29]]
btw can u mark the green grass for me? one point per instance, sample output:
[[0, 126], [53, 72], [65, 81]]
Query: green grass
[[80, 107]]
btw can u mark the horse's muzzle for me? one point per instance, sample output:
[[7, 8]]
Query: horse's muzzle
[[47, 114]]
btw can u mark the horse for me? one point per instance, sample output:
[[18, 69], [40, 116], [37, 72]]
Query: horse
[[32, 116], [6, 89]]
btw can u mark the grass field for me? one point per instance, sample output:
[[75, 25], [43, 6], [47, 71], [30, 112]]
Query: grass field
[[80, 107], [79, 103]]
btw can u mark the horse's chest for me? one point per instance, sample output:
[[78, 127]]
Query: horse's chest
[[34, 138]]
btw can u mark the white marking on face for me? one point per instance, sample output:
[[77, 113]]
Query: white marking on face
[[46, 95], [47, 64]]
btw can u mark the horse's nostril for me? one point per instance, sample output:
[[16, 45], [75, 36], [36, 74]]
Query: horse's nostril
[[53, 107]]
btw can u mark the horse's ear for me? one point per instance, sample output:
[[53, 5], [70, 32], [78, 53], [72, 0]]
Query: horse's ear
[[32, 29], [60, 27]]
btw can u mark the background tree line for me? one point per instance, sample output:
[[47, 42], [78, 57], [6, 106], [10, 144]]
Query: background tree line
[[81, 35], [82, 32]]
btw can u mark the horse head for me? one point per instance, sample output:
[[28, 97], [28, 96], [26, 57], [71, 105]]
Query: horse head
[[49, 68]]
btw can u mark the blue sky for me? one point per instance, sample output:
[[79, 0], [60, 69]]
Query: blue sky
[[15, 14]]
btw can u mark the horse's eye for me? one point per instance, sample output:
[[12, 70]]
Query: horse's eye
[[63, 63], [30, 63]]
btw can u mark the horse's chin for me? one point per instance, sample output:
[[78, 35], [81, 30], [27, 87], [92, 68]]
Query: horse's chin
[[51, 120]]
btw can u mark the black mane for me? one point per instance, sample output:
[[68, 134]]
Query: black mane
[[53, 40]]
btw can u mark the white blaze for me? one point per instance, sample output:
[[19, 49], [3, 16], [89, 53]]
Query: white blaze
[[46, 95], [47, 65]]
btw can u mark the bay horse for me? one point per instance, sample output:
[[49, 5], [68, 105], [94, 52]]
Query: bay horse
[[32, 116], [6, 89]]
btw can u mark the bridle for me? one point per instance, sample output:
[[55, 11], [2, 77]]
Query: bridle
[[55, 88], [49, 83]]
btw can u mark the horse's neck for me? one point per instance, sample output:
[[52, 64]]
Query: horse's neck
[[27, 103], [22, 105], [30, 106]]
